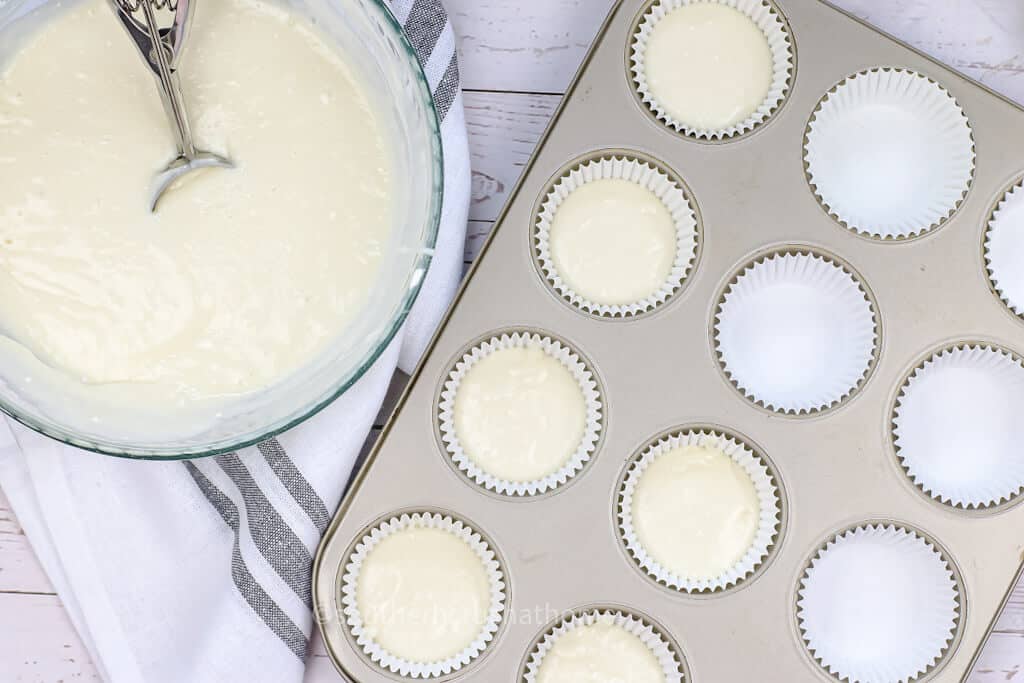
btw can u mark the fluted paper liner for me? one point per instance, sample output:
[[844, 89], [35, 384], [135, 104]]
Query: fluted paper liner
[[647, 175], [588, 388], [767, 18], [767, 495], [371, 648], [796, 376], [957, 429], [878, 604], [1004, 249], [874, 133], [658, 644]]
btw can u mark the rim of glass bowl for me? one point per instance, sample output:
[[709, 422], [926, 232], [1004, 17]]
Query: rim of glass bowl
[[417, 276]]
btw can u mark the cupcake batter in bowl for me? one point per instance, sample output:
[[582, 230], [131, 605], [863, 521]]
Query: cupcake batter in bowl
[[129, 322]]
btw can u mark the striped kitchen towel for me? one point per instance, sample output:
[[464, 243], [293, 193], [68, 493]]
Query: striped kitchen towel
[[200, 571]]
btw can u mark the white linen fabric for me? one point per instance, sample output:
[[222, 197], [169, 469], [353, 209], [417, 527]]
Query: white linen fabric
[[200, 570]]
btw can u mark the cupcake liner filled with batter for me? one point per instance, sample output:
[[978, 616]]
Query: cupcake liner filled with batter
[[796, 332], [520, 414], [616, 236], [699, 511], [1004, 249], [604, 645], [889, 153], [423, 594], [879, 603], [712, 69], [957, 429]]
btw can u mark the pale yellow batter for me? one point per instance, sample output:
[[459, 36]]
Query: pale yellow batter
[[242, 276], [613, 241], [708, 65], [423, 594], [602, 652], [695, 511], [519, 414]]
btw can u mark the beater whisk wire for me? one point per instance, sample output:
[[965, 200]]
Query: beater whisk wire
[[133, 6]]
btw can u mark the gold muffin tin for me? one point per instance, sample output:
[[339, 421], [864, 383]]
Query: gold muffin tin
[[659, 371]]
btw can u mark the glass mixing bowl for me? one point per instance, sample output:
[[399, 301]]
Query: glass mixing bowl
[[373, 41]]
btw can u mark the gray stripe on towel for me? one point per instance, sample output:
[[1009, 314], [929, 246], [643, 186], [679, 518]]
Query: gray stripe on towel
[[448, 88], [253, 593], [423, 27], [276, 541], [296, 484]]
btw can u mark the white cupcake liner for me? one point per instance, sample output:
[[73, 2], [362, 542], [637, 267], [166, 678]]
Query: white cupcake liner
[[665, 652], [591, 432], [647, 175], [957, 429], [767, 494], [879, 604], [377, 653], [1004, 249], [766, 17], [796, 332], [889, 153]]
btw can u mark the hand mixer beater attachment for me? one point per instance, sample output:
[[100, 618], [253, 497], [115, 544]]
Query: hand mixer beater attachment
[[161, 49]]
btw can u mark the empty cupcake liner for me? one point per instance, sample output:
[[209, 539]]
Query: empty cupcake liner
[[645, 174], [889, 153], [796, 332], [957, 429], [350, 580], [1004, 249], [584, 378], [661, 647], [878, 604], [766, 17], [767, 493]]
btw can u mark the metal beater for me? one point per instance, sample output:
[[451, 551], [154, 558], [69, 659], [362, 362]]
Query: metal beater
[[160, 49]]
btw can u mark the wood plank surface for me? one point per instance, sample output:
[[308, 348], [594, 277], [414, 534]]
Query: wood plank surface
[[518, 56]]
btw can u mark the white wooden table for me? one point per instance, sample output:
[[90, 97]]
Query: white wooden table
[[518, 56]]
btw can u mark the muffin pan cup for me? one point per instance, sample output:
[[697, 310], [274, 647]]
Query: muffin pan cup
[[956, 429], [838, 468], [769, 516], [768, 20], [899, 604], [803, 290], [663, 649], [363, 636], [668, 190], [889, 153], [1004, 246], [574, 461]]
